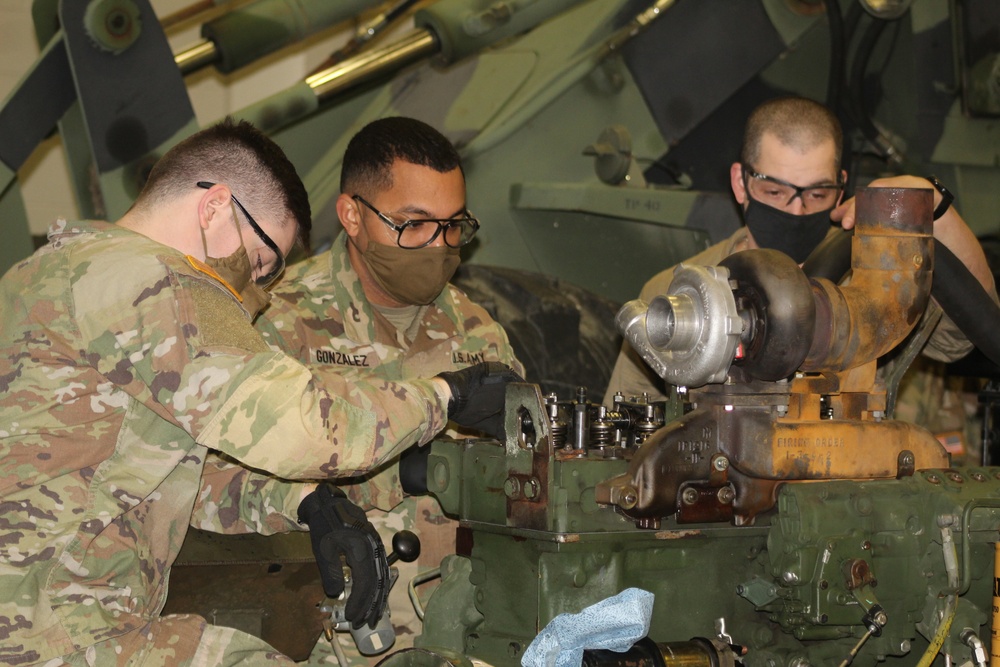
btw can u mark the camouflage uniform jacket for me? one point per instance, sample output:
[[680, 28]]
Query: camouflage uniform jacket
[[125, 371], [321, 315], [632, 377]]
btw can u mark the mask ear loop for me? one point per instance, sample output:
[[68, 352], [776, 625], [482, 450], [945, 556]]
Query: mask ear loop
[[239, 232], [236, 219], [361, 223], [204, 241]]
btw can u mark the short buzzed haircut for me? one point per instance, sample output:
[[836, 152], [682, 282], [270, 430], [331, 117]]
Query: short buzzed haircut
[[367, 164], [795, 121], [242, 157]]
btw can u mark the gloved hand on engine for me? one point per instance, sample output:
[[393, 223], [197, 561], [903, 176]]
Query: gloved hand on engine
[[338, 526], [477, 396]]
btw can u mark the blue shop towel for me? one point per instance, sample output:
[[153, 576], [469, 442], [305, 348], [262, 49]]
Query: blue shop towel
[[614, 624]]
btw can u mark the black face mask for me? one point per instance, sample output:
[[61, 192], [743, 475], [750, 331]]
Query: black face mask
[[794, 235]]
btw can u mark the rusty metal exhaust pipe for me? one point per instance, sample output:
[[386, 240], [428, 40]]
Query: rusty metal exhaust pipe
[[891, 262]]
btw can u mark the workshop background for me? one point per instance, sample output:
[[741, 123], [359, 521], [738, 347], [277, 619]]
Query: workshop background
[[45, 179]]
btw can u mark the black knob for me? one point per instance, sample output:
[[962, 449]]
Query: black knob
[[405, 547]]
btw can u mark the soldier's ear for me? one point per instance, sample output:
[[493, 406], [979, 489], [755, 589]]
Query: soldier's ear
[[736, 182], [215, 205], [349, 213]]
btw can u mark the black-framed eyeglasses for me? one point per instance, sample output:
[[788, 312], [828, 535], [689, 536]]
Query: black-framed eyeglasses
[[279, 264], [778, 193], [419, 232]]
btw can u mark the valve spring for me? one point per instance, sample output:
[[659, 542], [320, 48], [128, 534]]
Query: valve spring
[[643, 430], [600, 434], [557, 430], [647, 428]]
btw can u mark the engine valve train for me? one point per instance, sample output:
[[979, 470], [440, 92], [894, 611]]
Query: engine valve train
[[780, 517]]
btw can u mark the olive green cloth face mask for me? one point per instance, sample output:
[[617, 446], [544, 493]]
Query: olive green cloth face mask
[[412, 276]]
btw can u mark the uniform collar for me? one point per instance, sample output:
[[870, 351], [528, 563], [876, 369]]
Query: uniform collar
[[361, 321], [62, 228]]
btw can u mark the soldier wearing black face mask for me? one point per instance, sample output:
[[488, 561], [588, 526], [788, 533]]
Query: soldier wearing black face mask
[[789, 185]]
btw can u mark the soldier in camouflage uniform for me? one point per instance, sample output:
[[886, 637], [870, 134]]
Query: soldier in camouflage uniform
[[378, 302], [788, 183], [139, 400]]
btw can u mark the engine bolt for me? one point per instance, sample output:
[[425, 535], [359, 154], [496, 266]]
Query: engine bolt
[[726, 495], [721, 463], [628, 498], [690, 496]]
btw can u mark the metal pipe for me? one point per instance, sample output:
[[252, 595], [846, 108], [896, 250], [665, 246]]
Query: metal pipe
[[970, 507], [194, 58], [416, 45], [951, 603], [251, 32], [303, 99], [975, 644], [892, 263], [366, 32], [411, 589]]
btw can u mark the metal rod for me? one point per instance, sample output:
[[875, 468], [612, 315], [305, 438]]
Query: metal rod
[[416, 45], [365, 33], [198, 56]]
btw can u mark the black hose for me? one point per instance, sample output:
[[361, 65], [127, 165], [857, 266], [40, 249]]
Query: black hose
[[851, 19], [966, 302], [831, 259], [835, 78], [859, 110], [960, 294]]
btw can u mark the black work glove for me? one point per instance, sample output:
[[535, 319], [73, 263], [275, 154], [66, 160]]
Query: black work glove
[[338, 526], [477, 396]]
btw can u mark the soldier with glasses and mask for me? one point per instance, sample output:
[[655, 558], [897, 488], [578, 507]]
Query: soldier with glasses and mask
[[379, 302], [138, 400], [789, 185]]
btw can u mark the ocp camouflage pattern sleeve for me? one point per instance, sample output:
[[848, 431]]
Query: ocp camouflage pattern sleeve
[[262, 408], [111, 397], [234, 499]]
